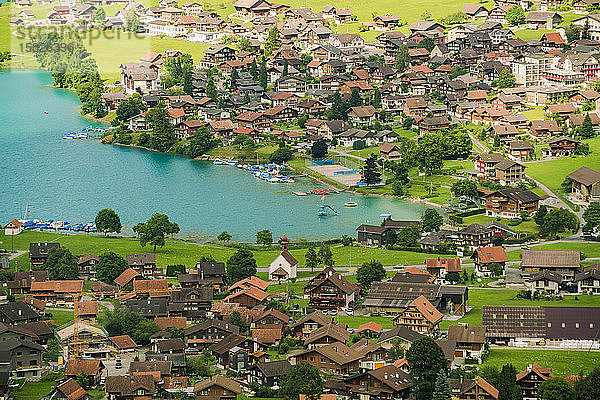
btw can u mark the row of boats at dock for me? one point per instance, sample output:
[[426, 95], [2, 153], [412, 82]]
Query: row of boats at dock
[[86, 132], [31, 224], [266, 172]]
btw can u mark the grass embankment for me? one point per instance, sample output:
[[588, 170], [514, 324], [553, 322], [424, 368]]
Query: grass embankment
[[188, 253], [552, 173], [562, 362]]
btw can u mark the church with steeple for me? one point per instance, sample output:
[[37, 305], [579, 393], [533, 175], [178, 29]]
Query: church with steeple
[[283, 267]]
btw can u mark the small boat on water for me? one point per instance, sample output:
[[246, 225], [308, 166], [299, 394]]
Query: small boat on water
[[351, 204], [301, 193], [218, 162], [231, 162]]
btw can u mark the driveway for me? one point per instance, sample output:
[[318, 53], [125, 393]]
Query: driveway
[[126, 359]]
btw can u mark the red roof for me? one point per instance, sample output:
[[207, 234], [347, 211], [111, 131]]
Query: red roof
[[370, 326], [123, 342]]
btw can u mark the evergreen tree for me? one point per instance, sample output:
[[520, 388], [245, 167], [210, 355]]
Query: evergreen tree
[[586, 130], [426, 359], [507, 384], [505, 80], [285, 68], [369, 171], [262, 75], [441, 390], [188, 87], [540, 214], [211, 90], [376, 102], [355, 99], [234, 78], [402, 58], [273, 41], [254, 70]]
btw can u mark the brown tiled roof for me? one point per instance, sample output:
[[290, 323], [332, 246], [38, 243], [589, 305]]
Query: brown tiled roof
[[170, 344], [87, 308], [127, 276], [585, 175], [483, 384], [152, 286], [129, 385], [87, 257], [72, 390], [370, 326], [550, 258], [65, 286], [40, 328], [315, 316], [289, 258], [275, 313], [427, 309], [88, 366], [251, 281], [218, 380], [266, 336], [164, 367], [100, 286], [543, 373], [143, 259], [339, 353], [36, 303], [176, 322], [337, 332], [466, 334], [123, 342], [250, 292], [491, 254], [450, 264]]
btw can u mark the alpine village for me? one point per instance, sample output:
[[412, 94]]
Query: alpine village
[[485, 114]]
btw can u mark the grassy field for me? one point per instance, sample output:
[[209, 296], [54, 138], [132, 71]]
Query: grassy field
[[111, 49], [530, 34], [562, 362], [187, 253], [34, 390], [263, 153], [524, 227], [552, 173]]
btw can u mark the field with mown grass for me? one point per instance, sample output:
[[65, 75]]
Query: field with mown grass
[[188, 253], [562, 362], [552, 173]]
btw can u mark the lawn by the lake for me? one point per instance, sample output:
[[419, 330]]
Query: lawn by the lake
[[590, 250], [562, 362]]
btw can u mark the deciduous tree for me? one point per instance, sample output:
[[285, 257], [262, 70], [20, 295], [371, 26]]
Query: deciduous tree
[[61, 264], [154, 230], [370, 272], [426, 360], [224, 237], [110, 266], [302, 378], [556, 388], [108, 220], [432, 220], [241, 265], [264, 237]]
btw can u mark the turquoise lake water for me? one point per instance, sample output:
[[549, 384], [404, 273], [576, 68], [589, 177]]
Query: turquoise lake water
[[71, 180]]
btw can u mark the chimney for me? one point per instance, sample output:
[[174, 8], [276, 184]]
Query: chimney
[[20, 312], [202, 273]]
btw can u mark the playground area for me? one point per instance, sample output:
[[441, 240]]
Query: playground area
[[339, 173]]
